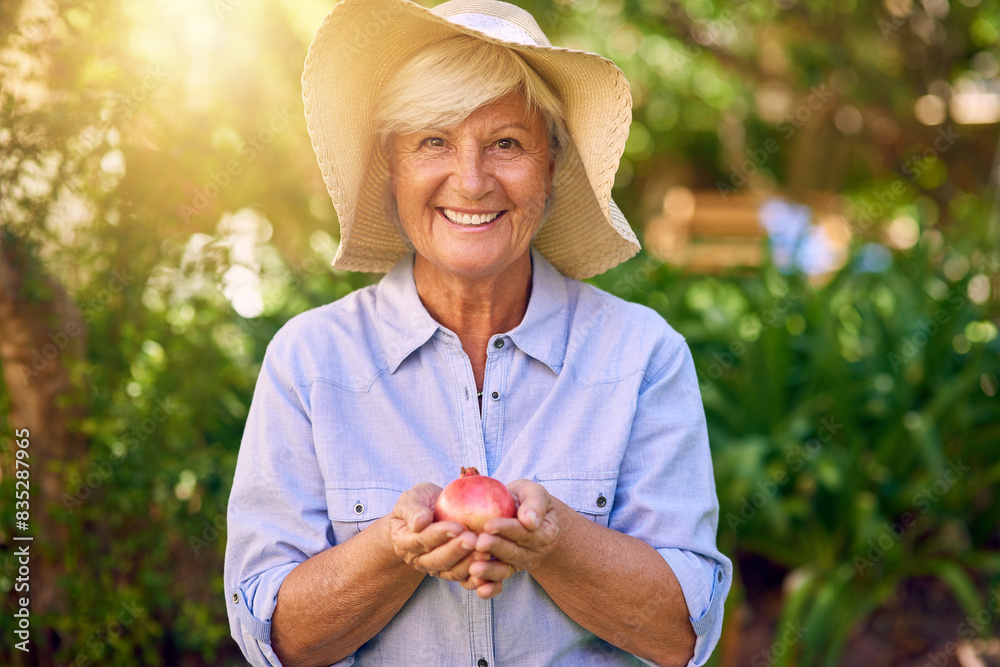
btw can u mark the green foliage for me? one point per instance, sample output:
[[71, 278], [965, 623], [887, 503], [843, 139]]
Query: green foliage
[[854, 425], [155, 163]]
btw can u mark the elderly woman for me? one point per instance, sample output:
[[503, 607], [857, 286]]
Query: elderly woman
[[472, 162]]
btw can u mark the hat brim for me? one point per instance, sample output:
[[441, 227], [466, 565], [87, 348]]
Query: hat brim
[[361, 43]]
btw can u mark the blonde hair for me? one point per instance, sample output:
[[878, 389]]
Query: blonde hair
[[448, 80]]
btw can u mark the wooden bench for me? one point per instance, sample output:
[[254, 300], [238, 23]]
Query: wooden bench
[[706, 232]]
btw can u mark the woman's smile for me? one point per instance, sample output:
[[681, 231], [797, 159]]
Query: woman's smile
[[471, 197], [468, 219]]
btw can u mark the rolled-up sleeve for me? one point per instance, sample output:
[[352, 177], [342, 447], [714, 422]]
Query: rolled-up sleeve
[[277, 514], [666, 489]]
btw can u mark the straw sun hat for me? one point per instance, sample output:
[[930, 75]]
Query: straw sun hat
[[361, 43]]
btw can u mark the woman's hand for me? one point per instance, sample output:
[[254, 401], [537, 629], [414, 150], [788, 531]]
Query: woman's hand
[[518, 545], [444, 549]]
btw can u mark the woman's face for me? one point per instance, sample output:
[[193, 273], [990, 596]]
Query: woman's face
[[471, 197]]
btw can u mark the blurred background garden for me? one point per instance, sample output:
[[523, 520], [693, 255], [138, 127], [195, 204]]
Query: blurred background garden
[[815, 183]]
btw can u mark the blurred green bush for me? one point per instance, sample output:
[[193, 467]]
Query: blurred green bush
[[854, 425]]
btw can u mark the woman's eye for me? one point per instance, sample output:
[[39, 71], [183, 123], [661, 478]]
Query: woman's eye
[[506, 144], [434, 142]]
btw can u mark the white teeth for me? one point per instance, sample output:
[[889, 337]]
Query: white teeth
[[468, 218]]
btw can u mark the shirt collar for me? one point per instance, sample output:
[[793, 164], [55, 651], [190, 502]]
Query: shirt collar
[[544, 331], [404, 324]]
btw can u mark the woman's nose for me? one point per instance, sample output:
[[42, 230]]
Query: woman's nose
[[471, 178]]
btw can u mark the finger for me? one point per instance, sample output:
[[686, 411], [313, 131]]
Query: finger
[[533, 502], [428, 539], [458, 572], [449, 556], [416, 506], [509, 529], [472, 583], [489, 590], [494, 570], [504, 550], [420, 519], [433, 549]]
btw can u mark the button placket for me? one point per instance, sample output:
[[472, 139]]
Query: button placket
[[481, 625], [498, 361], [472, 450], [499, 345]]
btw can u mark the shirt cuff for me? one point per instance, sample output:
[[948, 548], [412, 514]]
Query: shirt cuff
[[255, 634], [705, 584], [253, 618]]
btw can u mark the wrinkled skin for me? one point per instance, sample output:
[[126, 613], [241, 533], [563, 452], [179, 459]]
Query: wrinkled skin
[[482, 562]]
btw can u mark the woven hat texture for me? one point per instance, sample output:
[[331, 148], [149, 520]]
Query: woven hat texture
[[359, 46]]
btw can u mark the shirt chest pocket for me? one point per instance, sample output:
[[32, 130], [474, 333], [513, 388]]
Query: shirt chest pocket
[[590, 494], [352, 509]]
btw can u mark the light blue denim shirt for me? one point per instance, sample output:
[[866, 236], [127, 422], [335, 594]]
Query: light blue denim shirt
[[593, 397]]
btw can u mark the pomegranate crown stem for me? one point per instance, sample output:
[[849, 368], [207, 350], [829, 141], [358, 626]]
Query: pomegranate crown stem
[[469, 472]]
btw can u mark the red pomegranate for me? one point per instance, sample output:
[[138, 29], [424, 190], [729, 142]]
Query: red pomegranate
[[474, 499]]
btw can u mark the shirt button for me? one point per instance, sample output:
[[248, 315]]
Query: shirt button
[[359, 509], [601, 500], [495, 395], [720, 576], [498, 343], [236, 598], [482, 661]]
